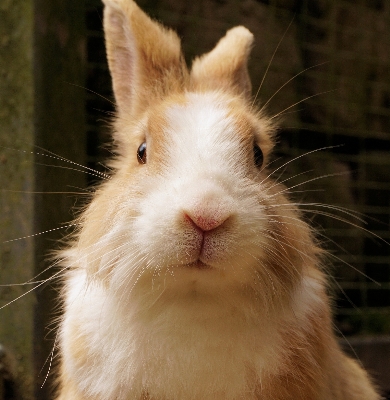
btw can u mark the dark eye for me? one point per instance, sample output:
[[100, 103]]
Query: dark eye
[[258, 156], [141, 153]]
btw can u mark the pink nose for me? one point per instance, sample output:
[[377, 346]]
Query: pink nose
[[207, 220]]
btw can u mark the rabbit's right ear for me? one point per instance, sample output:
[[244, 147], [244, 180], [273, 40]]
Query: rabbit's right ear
[[226, 66], [144, 58]]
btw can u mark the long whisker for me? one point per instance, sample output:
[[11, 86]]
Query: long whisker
[[312, 180], [355, 269], [92, 91], [41, 233], [58, 157], [296, 75], [298, 157], [370, 233], [289, 178], [347, 211], [270, 61], [301, 101], [31, 281], [345, 221], [97, 175], [344, 293], [50, 359], [357, 358], [32, 192], [61, 158], [35, 287]]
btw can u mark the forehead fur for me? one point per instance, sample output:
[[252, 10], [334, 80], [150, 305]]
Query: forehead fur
[[189, 121], [208, 117]]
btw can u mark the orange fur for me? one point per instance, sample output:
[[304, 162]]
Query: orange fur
[[208, 72]]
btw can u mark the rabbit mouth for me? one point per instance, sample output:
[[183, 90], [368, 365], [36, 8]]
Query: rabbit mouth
[[198, 264]]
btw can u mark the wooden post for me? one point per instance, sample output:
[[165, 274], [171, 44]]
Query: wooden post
[[17, 177], [42, 59], [59, 117]]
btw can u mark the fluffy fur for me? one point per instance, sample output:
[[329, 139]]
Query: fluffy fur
[[193, 276]]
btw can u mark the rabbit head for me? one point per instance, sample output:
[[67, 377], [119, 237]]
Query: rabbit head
[[191, 203]]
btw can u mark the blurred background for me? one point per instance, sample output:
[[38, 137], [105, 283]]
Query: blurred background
[[322, 68]]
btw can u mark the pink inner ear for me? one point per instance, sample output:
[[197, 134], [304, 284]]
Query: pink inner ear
[[145, 59], [121, 56], [124, 83]]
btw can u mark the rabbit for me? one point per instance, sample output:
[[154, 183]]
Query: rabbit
[[192, 275]]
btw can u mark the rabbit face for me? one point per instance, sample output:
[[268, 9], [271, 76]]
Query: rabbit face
[[192, 203]]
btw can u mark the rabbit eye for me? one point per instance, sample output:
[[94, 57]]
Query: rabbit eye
[[141, 153], [258, 156]]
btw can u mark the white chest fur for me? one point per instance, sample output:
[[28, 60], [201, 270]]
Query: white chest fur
[[197, 348]]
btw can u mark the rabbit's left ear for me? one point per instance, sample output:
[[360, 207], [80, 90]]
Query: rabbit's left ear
[[226, 66], [144, 58]]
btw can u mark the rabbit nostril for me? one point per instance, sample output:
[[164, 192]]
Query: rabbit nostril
[[206, 221]]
